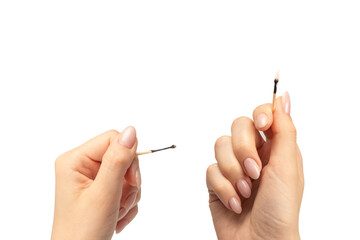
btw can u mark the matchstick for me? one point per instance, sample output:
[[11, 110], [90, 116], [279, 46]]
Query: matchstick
[[156, 150], [276, 80]]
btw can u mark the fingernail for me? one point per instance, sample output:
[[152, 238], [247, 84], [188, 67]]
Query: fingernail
[[130, 200], [252, 168], [235, 205], [128, 137], [244, 188], [286, 105], [122, 213], [122, 225], [261, 120], [138, 177]]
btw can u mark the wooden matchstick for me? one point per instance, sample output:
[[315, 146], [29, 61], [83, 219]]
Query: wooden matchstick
[[276, 80], [156, 150]]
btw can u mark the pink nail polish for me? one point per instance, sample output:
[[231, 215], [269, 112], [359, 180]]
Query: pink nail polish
[[130, 200], [261, 120], [127, 137], [244, 188], [138, 177], [235, 205], [252, 168], [122, 213], [286, 105]]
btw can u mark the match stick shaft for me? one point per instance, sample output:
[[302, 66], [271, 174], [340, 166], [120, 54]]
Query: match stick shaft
[[142, 153], [273, 103], [156, 150]]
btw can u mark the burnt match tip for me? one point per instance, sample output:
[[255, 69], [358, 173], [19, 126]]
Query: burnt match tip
[[173, 146], [276, 81]]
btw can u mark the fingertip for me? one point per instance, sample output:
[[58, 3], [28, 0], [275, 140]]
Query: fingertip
[[252, 168], [127, 138], [263, 117], [133, 175], [235, 205], [282, 119], [244, 188]]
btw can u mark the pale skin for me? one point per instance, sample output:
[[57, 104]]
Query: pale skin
[[257, 199], [97, 187], [98, 184]]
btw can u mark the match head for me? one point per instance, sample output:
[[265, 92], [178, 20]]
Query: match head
[[173, 146]]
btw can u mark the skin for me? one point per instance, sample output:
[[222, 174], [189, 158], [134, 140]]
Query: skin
[[93, 182], [272, 209], [98, 183]]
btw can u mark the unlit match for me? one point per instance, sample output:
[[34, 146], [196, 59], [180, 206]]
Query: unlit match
[[156, 150], [276, 80]]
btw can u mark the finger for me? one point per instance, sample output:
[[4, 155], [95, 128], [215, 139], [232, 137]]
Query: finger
[[263, 119], [245, 141], [230, 166], [127, 219], [223, 189], [300, 165], [115, 162], [283, 147], [133, 176], [96, 147], [128, 203], [128, 197]]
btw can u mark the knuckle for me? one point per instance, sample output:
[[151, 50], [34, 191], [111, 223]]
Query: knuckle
[[240, 121], [220, 187], [293, 130], [211, 169], [112, 132], [241, 148], [60, 162], [231, 170], [221, 141]]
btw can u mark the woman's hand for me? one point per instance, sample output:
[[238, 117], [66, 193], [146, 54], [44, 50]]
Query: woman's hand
[[256, 186], [97, 187]]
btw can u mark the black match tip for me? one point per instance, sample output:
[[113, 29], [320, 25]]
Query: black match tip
[[161, 149], [275, 85]]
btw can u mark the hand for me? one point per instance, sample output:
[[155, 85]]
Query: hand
[[266, 207], [97, 187]]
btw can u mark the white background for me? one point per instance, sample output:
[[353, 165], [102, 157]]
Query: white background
[[180, 72]]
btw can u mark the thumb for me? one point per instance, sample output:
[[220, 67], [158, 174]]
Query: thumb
[[283, 143], [115, 162]]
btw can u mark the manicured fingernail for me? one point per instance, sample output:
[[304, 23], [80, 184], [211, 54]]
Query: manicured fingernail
[[122, 213], [244, 188], [261, 120], [235, 205], [130, 200], [286, 105], [138, 177], [121, 225], [252, 168], [128, 137]]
